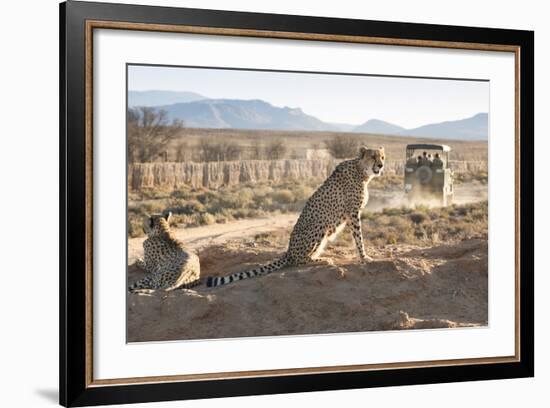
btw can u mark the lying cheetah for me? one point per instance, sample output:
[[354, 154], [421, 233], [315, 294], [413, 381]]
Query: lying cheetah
[[336, 203], [168, 264]]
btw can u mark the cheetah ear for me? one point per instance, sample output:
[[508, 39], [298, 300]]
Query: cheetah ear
[[147, 223], [362, 151], [168, 216]]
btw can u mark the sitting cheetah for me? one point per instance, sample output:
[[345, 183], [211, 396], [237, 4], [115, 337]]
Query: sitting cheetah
[[335, 204], [168, 264]]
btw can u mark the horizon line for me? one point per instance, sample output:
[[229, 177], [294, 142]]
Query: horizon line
[[290, 107]]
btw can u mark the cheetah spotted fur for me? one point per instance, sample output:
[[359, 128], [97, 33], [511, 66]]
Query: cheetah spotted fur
[[168, 264], [337, 203]]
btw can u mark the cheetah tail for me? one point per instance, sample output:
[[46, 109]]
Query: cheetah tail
[[191, 284], [140, 284], [252, 273]]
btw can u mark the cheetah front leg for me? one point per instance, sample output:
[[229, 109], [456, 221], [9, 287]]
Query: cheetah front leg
[[145, 264], [355, 224], [140, 263]]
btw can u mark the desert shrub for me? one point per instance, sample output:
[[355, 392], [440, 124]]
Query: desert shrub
[[183, 152], [261, 189], [435, 214], [399, 222], [406, 236], [153, 194], [153, 207], [187, 207], [418, 217], [236, 200], [392, 211], [483, 177], [283, 197], [344, 239], [182, 193], [423, 226], [420, 233], [263, 201], [343, 147], [207, 197], [222, 218], [135, 228], [368, 215], [263, 236], [210, 150], [206, 219], [183, 220], [479, 213], [275, 150], [384, 220], [480, 177], [256, 151], [422, 208], [302, 192], [460, 211], [247, 213]]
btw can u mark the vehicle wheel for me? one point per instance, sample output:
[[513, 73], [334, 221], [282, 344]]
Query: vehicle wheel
[[424, 174]]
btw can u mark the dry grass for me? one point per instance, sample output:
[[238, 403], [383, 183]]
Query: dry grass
[[422, 225], [194, 207], [251, 142], [469, 177]]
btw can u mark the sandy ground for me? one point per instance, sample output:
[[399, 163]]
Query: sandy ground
[[405, 287]]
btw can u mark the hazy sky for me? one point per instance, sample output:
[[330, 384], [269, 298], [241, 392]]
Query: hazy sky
[[407, 102]]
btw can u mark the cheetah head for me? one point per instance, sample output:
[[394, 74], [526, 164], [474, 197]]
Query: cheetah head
[[371, 161], [155, 224]]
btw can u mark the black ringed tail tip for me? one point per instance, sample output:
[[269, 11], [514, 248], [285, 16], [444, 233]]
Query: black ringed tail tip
[[209, 282]]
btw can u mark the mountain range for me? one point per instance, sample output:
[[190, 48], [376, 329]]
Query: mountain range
[[198, 111], [378, 126], [242, 114], [157, 98]]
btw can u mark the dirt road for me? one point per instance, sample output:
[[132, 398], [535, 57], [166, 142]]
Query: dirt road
[[465, 193], [200, 237]]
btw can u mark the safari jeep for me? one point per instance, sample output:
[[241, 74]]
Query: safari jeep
[[427, 174]]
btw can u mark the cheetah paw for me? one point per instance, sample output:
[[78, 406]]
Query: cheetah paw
[[140, 263], [367, 259], [143, 292], [323, 261]]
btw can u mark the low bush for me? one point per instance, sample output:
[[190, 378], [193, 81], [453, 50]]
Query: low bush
[[420, 225], [423, 226], [195, 207], [418, 217]]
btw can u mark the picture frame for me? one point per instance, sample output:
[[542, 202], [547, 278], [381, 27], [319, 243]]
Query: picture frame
[[79, 20]]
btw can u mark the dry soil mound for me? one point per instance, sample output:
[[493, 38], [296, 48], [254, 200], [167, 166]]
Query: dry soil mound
[[403, 288]]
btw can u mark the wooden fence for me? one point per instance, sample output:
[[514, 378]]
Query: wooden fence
[[171, 176]]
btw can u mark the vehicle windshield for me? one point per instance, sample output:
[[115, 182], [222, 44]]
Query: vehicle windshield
[[427, 157]]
